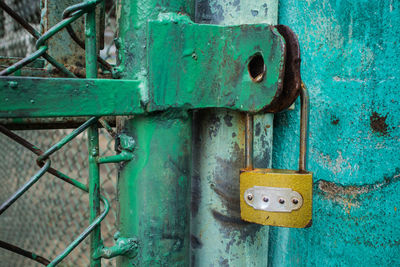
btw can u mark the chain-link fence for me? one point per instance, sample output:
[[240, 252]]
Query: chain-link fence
[[52, 213], [15, 41]]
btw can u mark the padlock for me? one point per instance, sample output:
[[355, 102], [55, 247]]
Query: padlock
[[278, 197]]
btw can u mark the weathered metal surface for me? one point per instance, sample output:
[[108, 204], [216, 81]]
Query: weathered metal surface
[[37, 97], [226, 74], [62, 47], [208, 64], [350, 63], [285, 97], [132, 17], [218, 235], [154, 190]]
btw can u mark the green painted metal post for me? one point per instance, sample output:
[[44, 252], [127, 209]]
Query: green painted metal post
[[153, 188], [219, 236], [93, 137]]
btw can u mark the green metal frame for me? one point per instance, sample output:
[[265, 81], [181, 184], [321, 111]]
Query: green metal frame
[[180, 78], [175, 68]]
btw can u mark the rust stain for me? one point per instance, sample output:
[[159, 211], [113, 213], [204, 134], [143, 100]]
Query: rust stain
[[378, 123], [349, 195], [335, 121]]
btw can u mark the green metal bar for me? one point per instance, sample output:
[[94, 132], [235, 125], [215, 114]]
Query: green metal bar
[[123, 156], [6, 204], [84, 234], [39, 97], [94, 190], [93, 136], [91, 49], [126, 145], [190, 63]]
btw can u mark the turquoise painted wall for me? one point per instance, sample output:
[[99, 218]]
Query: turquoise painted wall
[[351, 65]]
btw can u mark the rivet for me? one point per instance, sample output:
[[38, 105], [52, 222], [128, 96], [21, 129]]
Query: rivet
[[265, 199], [295, 201], [281, 201], [13, 85], [250, 197]]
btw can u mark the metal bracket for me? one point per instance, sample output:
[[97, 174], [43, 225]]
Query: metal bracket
[[273, 199], [189, 66]]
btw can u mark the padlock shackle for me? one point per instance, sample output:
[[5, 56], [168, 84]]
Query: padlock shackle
[[249, 141], [304, 121]]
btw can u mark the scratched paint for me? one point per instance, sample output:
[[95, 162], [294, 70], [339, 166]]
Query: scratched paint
[[351, 66], [218, 235]]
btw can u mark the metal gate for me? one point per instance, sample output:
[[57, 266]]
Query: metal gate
[[172, 111], [158, 45]]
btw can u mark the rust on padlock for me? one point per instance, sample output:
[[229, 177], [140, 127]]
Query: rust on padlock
[[280, 179]]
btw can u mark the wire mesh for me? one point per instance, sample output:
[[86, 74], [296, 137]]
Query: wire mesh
[[52, 213], [14, 40]]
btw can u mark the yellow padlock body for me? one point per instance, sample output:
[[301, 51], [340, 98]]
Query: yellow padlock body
[[299, 182]]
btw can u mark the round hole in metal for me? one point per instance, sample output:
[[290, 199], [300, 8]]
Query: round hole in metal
[[256, 68]]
